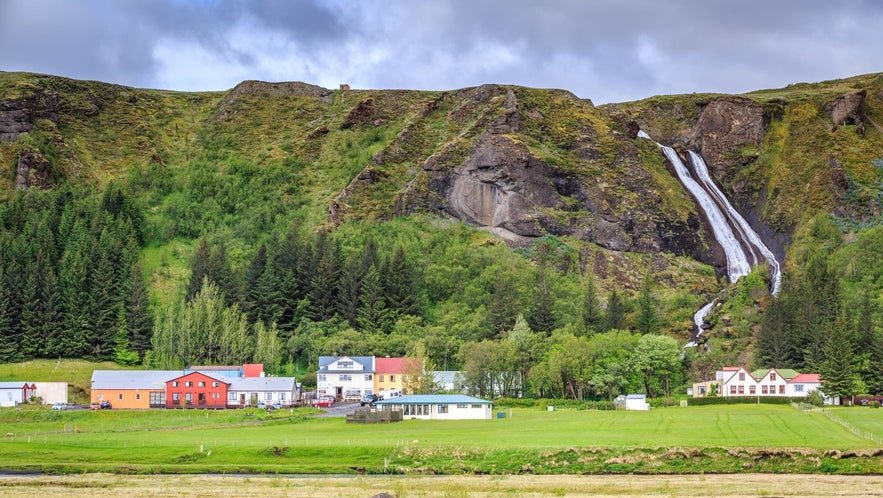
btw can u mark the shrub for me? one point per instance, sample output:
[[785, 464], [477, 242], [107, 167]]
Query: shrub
[[815, 398]]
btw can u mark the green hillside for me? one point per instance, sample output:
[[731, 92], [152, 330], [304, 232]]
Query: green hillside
[[386, 221]]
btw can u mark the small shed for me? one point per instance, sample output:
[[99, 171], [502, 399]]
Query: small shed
[[13, 393], [636, 402]]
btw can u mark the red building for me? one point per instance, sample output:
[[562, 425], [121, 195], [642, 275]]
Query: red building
[[196, 390]]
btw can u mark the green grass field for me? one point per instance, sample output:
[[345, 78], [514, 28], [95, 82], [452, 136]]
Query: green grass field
[[668, 440]]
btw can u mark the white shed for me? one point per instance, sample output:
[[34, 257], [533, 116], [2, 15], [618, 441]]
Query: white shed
[[636, 402]]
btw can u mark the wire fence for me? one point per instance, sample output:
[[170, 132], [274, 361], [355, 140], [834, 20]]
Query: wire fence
[[839, 421]]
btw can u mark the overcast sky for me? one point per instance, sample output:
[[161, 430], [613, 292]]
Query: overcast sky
[[606, 50]]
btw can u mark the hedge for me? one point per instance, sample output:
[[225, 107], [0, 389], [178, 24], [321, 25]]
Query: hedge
[[745, 400]]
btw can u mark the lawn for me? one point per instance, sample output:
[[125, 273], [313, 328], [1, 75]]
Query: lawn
[[670, 440]]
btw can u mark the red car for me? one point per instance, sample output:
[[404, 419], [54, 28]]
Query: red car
[[324, 401]]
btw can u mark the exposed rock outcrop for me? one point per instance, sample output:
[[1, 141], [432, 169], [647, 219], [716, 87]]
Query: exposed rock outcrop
[[726, 126], [17, 116], [263, 88], [848, 109], [33, 170]]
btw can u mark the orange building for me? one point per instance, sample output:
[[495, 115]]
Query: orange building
[[132, 388]]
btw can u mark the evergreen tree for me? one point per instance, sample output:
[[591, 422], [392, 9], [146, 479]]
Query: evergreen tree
[[10, 338], [373, 314], [541, 317], [199, 268], [647, 320], [138, 317], [503, 306], [252, 298], [349, 287], [875, 379], [615, 315], [775, 347], [838, 369], [76, 300], [399, 282], [592, 314], [324, 282]]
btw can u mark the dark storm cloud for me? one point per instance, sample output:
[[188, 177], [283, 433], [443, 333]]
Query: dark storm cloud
[[607, 50]]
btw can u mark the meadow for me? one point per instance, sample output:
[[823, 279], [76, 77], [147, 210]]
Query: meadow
[[702, 439]]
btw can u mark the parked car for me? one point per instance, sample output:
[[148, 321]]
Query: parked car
[[276, 405], [105, 405], [324, 401], [59, 406], [262, 405], [94, 406], [370, 399]]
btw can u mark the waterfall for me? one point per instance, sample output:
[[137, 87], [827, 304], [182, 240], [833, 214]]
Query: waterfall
[[742, 246]]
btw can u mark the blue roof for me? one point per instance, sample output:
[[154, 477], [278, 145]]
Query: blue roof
[[435, 399]]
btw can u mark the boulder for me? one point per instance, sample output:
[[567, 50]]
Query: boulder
[[848, 109], [726, 126], [33, 170]]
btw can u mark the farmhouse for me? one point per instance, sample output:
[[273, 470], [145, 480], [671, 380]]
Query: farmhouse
[[439, 407], [13, 393], [345, 377], [738, 381]]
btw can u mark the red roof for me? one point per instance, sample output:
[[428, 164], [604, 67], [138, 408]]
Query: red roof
[[253, 369], [730, 369], [389, 365], [806, 378]]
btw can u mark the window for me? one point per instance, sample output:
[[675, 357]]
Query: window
[[188, 397], [392, 378], [281, 396], [201, 398], [782, 389], [741, 375], [702, 390], [344, 364], [268, 396], [176, 397], [120, 397], [231, 396], [138, 396], [772, 376], [741, 389], [475, 406], [216, 395], [216, 384], [321, 377], [369, 377], [157, 399], [345, 377], [764, 390], [752, 389], [415, 410], [201, 383], [442, 409], [175, 383], [462, 406], [188, 383], [380, 379], [798, 388], [732, 389], [404, 378]]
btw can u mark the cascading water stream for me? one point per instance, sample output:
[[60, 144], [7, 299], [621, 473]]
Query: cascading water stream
[[740, 243]]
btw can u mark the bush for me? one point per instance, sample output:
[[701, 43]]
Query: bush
[[875, 404], [815, 398]]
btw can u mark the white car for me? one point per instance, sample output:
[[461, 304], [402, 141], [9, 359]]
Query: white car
[[59, 406]]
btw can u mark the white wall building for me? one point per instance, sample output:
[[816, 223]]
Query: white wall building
[[439, 407], [345, 377]]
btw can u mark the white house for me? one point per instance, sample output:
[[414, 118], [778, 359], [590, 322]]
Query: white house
[[246, 391], [439, 407], [737, 381], [345, 377]]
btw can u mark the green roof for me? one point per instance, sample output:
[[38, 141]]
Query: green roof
[[786, 373]]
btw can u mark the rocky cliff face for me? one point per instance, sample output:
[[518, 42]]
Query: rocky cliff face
[[17, 115]]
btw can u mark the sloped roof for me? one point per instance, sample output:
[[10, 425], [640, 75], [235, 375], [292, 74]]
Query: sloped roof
[[14, 385], [261, 384], [133, 379], [365, 361], [785, 373], [434, 399], [211, 375], [389, 365], [807, 377]]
